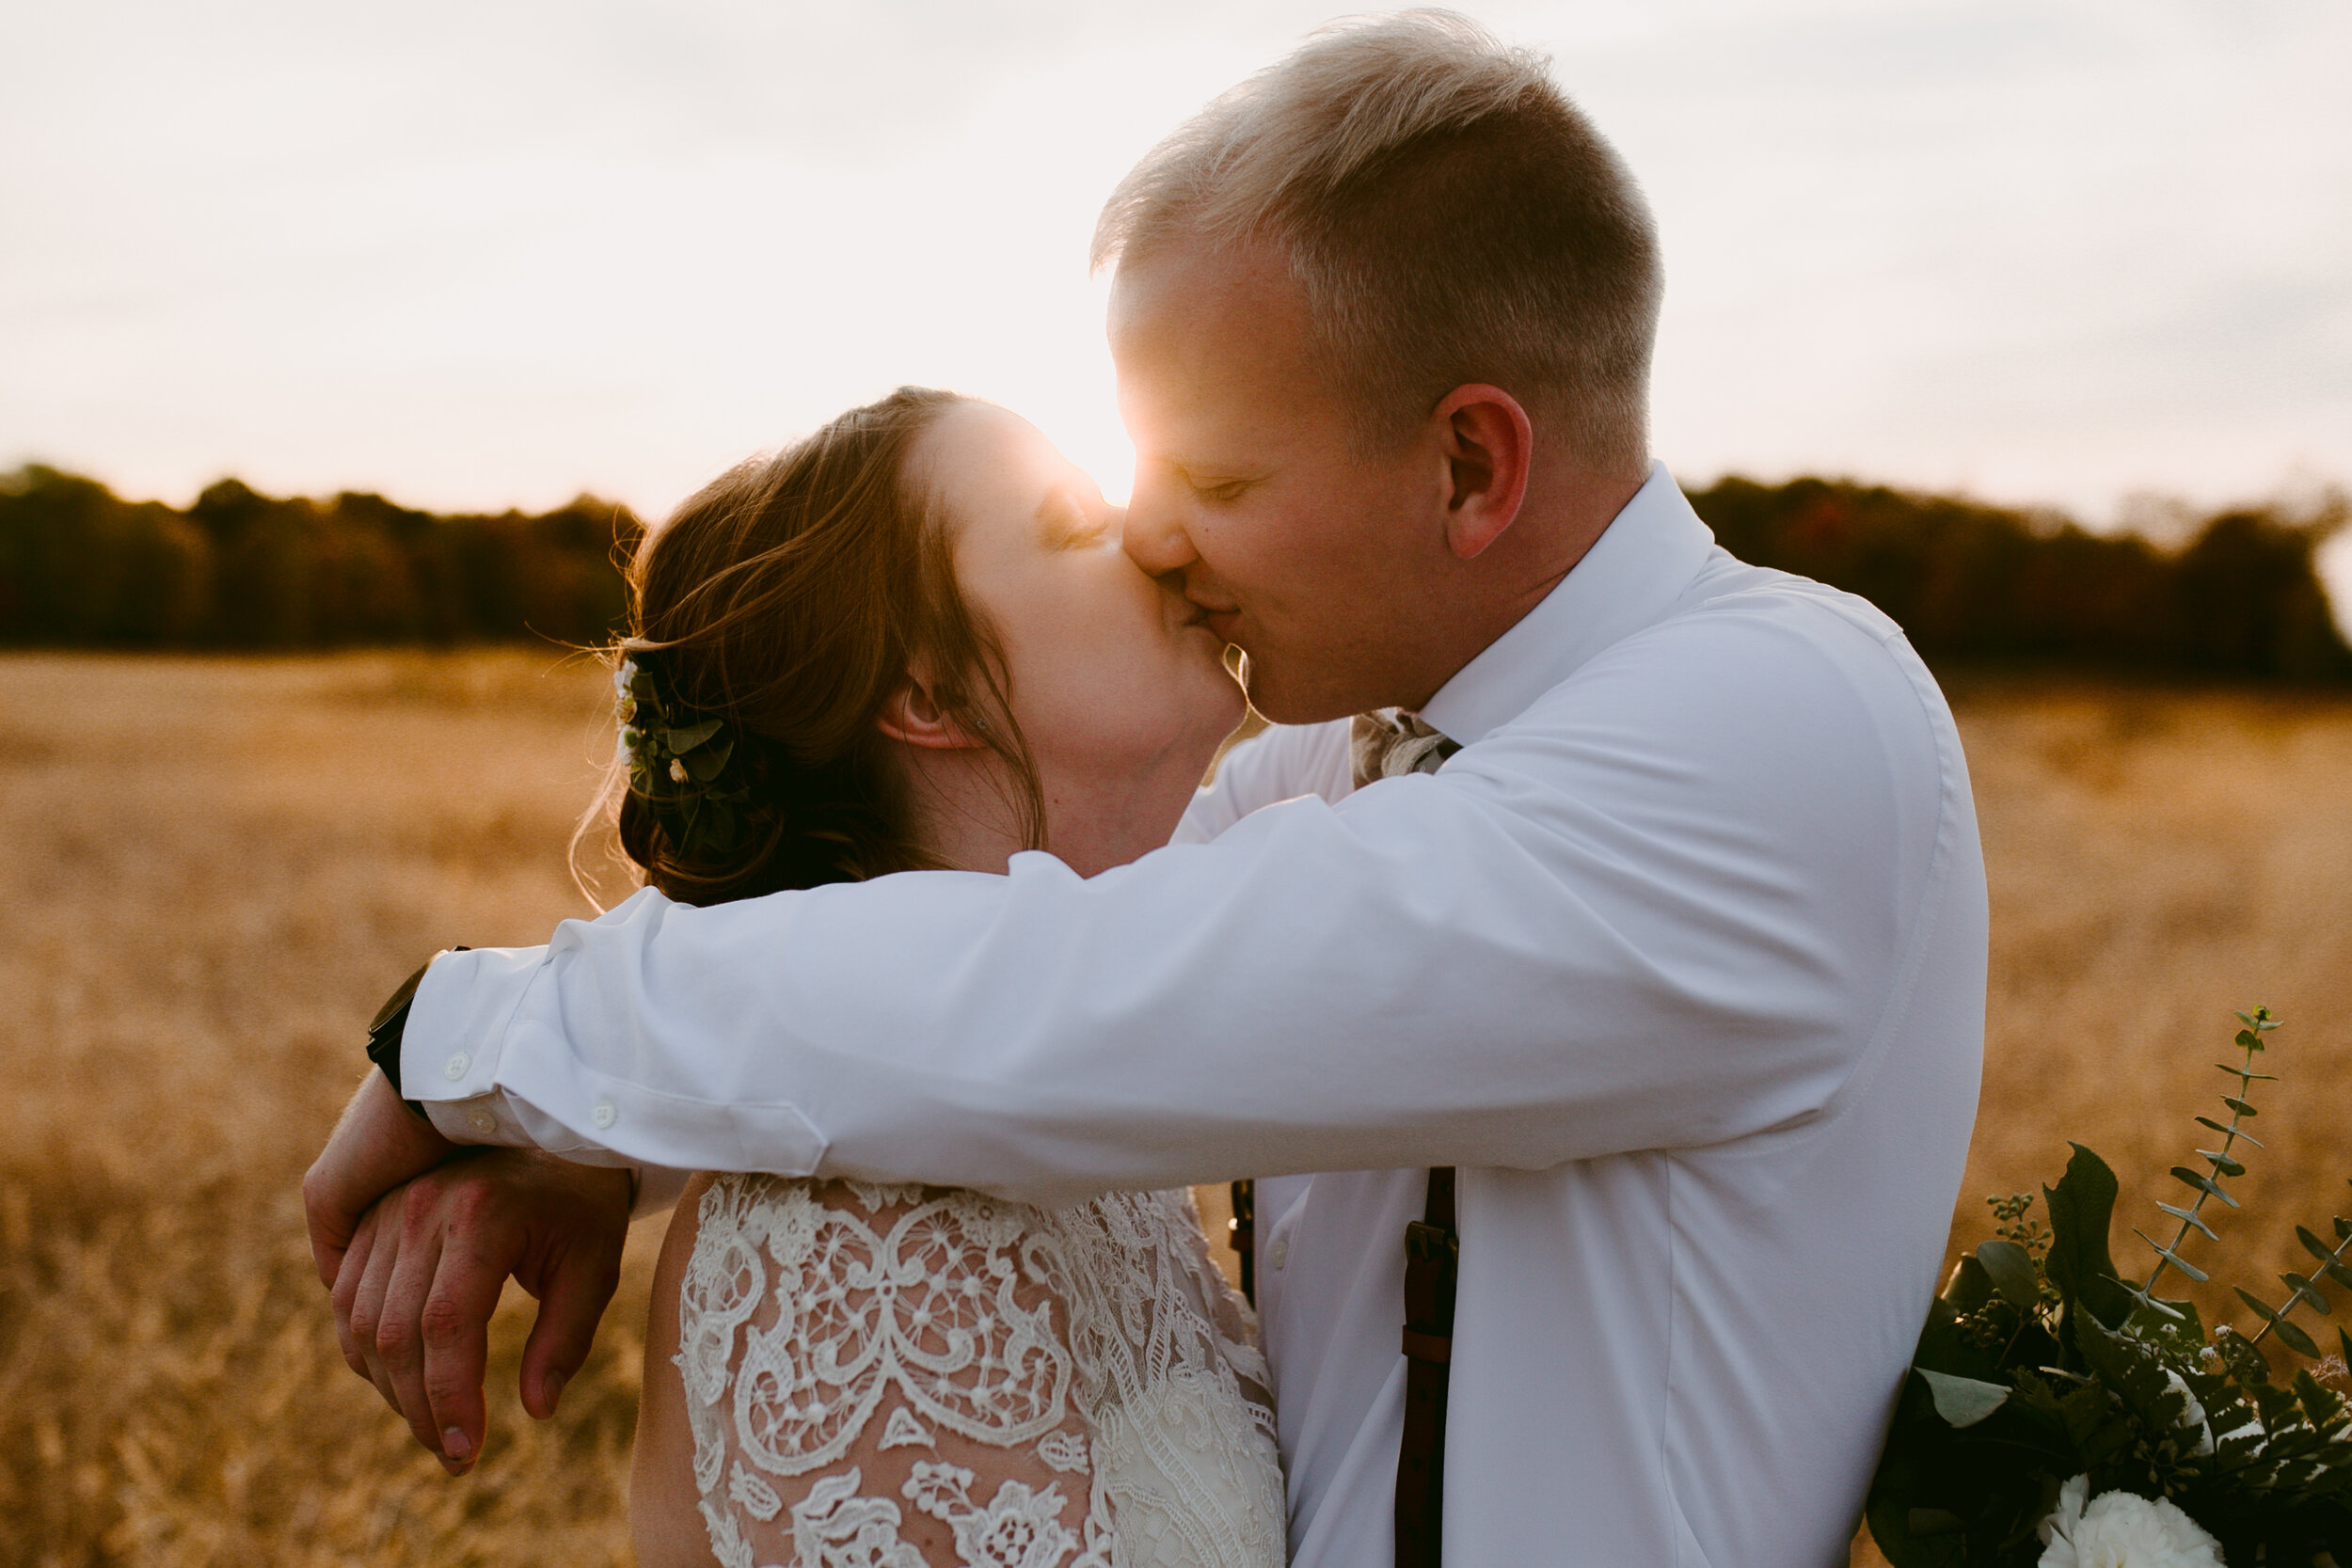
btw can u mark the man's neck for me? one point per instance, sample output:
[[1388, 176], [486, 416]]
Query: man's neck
[[1568, 507]]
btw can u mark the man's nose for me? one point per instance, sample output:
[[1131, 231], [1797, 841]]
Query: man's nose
[[1156, 539]]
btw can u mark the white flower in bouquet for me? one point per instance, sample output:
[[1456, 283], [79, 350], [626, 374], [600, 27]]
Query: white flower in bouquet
[[2123, 1529]]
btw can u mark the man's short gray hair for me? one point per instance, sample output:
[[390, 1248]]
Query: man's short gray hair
[[1449, 215]]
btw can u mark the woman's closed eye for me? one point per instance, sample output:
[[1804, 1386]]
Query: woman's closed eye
[[1066, 523]]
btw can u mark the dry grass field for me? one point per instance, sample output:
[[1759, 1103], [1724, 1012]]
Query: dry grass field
[[214, 869]]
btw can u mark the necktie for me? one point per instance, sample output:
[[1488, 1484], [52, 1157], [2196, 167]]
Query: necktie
[[1389, 743]]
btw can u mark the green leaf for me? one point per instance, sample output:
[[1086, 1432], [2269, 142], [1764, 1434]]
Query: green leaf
[[2011, 1269], [2295, 1339], [1970, 1287], [706, 762], [2085, 1410], [2203, 1184], [2236, 1072], [2241, 1107], [1942, 1347], [684, 740], [2081, 1207], [2247, 1039], [2243, 1358], [2223, 1163], [2173, 1257], [2233, 1131], [2188, 1217], [2322, 1403], [2343, 1343], [2304, 1289], [2170, 1323], [1963, 1402], [2133, 1371]]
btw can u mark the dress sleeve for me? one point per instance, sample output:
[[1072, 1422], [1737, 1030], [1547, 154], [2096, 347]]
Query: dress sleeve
[[883, 1377]]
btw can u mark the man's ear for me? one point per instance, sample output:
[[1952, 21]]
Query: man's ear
[[913, 716], [1488, 443]]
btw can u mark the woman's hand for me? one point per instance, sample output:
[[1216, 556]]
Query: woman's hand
[[425, 1266]]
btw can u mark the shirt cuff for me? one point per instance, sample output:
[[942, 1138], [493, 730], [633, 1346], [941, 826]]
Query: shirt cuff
[[487, 1053], [488, 1118], [457, 1022], [495, 1120]]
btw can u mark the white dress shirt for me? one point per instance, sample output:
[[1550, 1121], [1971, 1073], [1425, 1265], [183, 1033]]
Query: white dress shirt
[[1680, 959]]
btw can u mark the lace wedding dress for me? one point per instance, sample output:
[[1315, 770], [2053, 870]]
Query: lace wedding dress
[[898, 1377]]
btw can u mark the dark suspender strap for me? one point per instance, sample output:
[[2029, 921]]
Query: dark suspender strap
[[1432, 1252], [1242, 1235]]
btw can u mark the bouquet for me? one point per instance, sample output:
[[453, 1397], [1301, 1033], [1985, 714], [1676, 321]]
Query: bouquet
[[2063, 1414]]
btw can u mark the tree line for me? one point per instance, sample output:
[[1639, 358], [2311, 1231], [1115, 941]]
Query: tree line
[[1972, 584], [81, 567]]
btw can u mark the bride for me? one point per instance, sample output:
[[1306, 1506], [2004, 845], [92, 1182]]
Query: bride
[[914, 641]]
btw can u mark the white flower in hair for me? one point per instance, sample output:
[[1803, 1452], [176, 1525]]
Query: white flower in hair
[[678, 772], [2123, 1529]]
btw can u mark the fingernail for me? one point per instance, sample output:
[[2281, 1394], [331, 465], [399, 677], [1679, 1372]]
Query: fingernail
[[453, 1444]]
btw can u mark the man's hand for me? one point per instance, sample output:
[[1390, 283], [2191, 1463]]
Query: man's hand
[[378, 1144], [425, 1266]]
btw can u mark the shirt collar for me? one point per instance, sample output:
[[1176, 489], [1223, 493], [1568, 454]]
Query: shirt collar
[[1633, 573]]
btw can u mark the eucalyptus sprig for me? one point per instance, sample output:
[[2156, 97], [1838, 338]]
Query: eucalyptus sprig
[[2042, 1367], [2249, 1040], [2303, 1290]]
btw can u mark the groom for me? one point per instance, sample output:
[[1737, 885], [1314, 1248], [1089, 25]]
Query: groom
[[1679, 957]]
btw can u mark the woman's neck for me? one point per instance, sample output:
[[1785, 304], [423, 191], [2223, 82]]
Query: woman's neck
[[969, 813], [966, 811]]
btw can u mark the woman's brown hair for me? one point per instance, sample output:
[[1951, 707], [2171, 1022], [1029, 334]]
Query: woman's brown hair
[[790, 597]]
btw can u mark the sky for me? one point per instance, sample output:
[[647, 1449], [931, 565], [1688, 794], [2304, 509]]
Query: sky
[[499, 253]]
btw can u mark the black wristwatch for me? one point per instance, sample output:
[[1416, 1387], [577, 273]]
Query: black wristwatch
[[391, 1021]]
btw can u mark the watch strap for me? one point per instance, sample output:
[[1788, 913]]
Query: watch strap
[[390, 1024]]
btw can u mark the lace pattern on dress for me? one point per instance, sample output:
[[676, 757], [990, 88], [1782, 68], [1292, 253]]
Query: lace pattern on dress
[[825, 1327]]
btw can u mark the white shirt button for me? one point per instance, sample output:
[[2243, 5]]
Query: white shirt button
[[483, 1121], [605, 1115], [1279, 1253], [455, 1067]]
